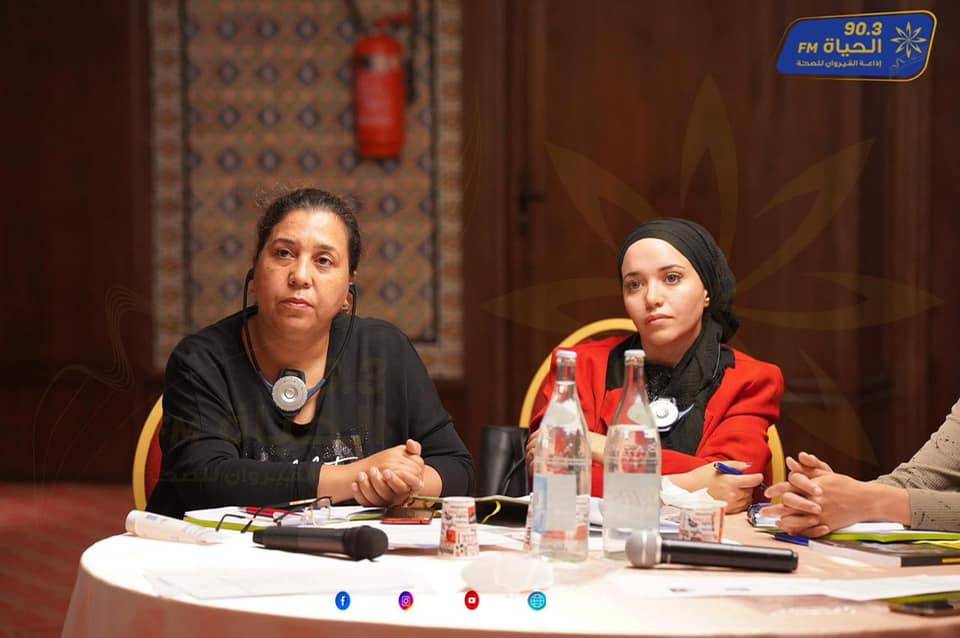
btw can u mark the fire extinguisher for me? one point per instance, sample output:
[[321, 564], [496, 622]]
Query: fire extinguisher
[[380, 92]]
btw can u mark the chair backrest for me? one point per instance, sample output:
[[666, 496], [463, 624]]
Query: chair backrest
[[502, 467], [148, 457], [778, 467], [586, 333]]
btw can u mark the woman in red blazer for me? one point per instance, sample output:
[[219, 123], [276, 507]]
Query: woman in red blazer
[[712, 403]]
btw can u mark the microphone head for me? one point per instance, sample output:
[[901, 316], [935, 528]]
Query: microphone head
[[643, 548], [364, 542]]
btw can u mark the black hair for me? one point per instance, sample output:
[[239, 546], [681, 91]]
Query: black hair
[[311, 199]]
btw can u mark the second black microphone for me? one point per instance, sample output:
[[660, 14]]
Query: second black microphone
[[646, 549], [356, 542]]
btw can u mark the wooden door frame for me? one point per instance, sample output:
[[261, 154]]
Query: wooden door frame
[[526, 180], [485, 229]]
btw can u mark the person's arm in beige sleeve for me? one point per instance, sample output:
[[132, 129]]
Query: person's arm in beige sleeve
[[817, 500], [922, 493], [932, 478]]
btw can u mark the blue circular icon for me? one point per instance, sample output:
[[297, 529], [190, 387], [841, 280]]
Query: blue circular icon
[[537, 600], [342, 600]]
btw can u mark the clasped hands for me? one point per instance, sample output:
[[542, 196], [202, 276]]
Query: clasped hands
[[815, 499], [389, 477]]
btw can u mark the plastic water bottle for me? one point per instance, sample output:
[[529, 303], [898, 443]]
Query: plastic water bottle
[[631, 464], [560, 504]]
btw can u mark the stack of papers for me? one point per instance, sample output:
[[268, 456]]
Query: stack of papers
[[887, 532], [596, 518], [237, 517], [889, 554], [428, 536], [409, 536]]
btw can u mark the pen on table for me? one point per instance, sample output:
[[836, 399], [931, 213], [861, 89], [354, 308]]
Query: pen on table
[[790, 538], [727, 469]]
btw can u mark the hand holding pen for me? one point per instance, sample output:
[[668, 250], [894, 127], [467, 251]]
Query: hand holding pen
[[723, 468], [730, 484]]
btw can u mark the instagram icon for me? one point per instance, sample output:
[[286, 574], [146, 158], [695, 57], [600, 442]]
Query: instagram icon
[[405, 600]]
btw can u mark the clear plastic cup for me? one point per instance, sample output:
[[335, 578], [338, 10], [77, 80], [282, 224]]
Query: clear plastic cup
[[702, 522], [458, 528]]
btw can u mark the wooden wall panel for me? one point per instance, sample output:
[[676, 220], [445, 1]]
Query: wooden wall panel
[[76, 240], [486, 231], [940, 347], [677, 108], [614, 81]]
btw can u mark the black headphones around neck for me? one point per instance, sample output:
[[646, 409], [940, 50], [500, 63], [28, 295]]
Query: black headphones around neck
[[290, 392]]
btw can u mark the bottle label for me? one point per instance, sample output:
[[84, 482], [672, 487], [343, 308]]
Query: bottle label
[[631, 501], [556, 496], [561, 414], [638, 413]]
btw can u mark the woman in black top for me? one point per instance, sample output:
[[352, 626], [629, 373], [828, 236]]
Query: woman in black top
[[373, 428]]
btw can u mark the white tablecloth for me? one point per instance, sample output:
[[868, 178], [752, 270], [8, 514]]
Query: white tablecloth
[[113, 596]]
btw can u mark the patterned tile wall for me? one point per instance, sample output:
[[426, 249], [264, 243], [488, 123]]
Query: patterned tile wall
[[254, 96]]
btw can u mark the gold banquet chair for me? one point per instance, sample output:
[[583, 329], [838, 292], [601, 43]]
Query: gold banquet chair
[[589, 332], [148, 457], [608, 327]]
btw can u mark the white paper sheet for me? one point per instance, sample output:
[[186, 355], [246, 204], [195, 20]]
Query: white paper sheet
[[875, 589], [240, 582], [666, 586], [428, 536], [596, 518], [876, 527]]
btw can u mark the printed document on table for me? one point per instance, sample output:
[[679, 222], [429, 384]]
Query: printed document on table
[[244, 582]]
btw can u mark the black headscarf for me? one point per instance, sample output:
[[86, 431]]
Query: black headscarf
[[698, 374]]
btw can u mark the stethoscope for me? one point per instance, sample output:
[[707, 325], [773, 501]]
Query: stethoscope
[[665, 411], [290, 392]]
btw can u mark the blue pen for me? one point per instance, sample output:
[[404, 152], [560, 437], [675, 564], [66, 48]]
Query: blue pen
[[726, 469], [790, 538]]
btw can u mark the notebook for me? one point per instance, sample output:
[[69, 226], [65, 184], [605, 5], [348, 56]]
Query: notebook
[[888, 554]]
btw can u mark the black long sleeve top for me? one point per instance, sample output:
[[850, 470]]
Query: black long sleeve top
[[224, 441]]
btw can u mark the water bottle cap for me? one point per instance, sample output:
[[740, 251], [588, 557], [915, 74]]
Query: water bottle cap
[[636, 352], [566, 354]]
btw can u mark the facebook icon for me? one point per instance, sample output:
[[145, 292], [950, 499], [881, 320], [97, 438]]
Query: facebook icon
[[343, 600]]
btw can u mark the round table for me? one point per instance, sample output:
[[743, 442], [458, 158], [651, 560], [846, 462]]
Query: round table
[[114, 597]]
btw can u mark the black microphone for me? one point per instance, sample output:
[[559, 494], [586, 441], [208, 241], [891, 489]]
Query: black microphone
[[646, 549], [356, 542]]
